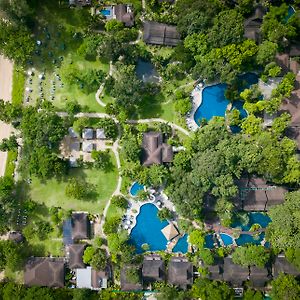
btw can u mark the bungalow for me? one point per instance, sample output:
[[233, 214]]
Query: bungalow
[[154, 151], [80, 2], [80, 226], [45, 271], [215, 271], [73, 133], [256, 195], [281, 265], [153, 268], [131, 278], [160, 34], [88, 278], [258, 276], [100, 134], [180, 272], [235, 274], [74, 254], [88, 146], [124, 14], [87, 133], [253, 23]]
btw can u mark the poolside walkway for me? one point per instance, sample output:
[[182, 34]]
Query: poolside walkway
[[220, 229]]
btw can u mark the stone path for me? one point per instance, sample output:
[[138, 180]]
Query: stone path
[[101, 88]]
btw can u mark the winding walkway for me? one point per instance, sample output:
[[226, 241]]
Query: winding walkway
[[101, 88]]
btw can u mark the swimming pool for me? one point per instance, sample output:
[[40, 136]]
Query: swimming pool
[[209, 241], [214, 102], [249, 239], [291, 11], [148, 230], [254, 218], [106, 12], [182, 245], [146, 71], [227, 239], [135, 188]]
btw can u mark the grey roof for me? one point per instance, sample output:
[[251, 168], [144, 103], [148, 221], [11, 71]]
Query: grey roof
[[180, 272], [100, 134], [87, 146], [73, 133], [253, 23], [160, 34], [126, 285], [255, 194], [154, 150], [258, 276], [100, 278], [80, 228], [80, 2], [45, 271], [75, 145], [87, 133], [75, 256], [294, 133], [84, 278], [235, 274], [153, 268], [124, 15], [215, 271], [295, 50], [281, 265]]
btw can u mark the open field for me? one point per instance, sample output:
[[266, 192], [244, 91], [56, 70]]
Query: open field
[[52, 192]]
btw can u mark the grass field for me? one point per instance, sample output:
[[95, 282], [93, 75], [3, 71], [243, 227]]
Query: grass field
[[52, 192], [10, 163], [18, 85]]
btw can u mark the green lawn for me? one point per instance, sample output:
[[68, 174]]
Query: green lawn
[[18, 85], [10, 163], [52, 192]]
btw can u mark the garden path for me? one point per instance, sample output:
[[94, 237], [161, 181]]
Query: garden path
[[101, 88]]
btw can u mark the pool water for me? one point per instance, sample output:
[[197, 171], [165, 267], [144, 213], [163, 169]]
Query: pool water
[[227, 239], [182, 245], [135, 188], [291, 12], [106, 12], [148, 230], [254, 218], [214, 102], [249, 239], [209, 241], [146, 72]]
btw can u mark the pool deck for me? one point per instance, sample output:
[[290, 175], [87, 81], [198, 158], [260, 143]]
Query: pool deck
[[196, 96]]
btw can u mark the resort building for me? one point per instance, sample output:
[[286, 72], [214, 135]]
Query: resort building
[[127, 282], [87, 133], [253, 23], [215, 270], [45, 271], [256, 195], [88, 146], [153, 268], [234, 274], [100, 134], [80, 226], [88, 278], [80, 2], [258, 276], [74, 253], [160, 34], [180, 272], [154, 150], [124, 14], [73, 133], [281, 265]]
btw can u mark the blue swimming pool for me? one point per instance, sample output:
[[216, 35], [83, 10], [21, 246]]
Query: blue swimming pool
[[146, 72], [254, 218], [291, 12], [249, 239], [135, 188], [106, 12], [227, 239], [209, 241], [214, 102], [182, 245], [148, 230]]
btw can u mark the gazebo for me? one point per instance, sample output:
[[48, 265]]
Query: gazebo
[[170, 231]]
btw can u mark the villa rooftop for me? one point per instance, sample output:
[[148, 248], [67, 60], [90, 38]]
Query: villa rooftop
[[281, 265], [253, 23], [256, 195], [180, 272], [160, 34], [124, 15], [89, 278], [45, 271], [88, 133], [88, 146], [153, 268], [100, 134], [258, 276], [75, 256], [80, 2], [215, 270], [80, 230], [154, 151], [233, 273]]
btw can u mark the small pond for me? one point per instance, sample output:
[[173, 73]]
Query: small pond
[[135, 188], [254, 218], [146, 72], [148, 230]]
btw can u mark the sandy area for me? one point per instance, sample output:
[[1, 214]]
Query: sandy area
[[6, 73]]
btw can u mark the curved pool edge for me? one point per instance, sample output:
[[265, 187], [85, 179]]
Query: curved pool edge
[[131, 186]]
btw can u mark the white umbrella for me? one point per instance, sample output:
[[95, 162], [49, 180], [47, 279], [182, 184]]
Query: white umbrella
[[41, 76], [128, 222], [126, 227], [30, 73]]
